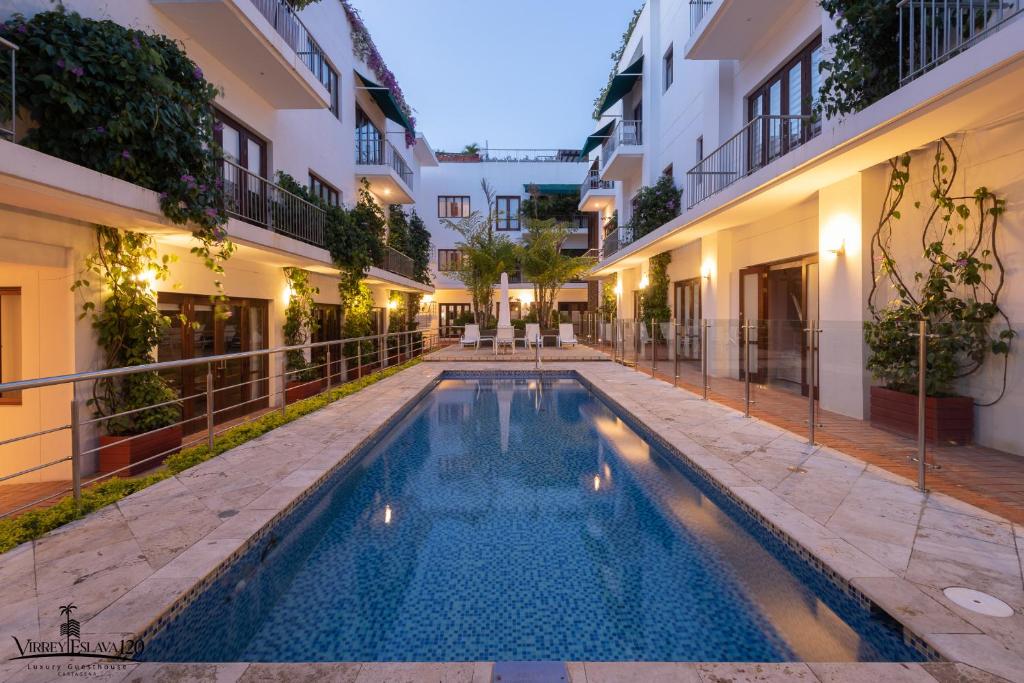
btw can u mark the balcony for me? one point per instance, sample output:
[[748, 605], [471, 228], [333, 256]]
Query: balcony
[[729, 29], [616, 240], [596, 194], [758, 143], [932, 32], [256, 200], [396, 262], [623, 151], [263, 41], [389, 176]]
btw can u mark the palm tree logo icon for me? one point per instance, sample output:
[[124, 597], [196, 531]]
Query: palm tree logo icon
[[70, 628]]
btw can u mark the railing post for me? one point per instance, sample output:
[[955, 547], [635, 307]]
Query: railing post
[[284, 385], [812, 359], [704, 357], [922, 401], [328, 366], [746, 368], [209, 406], [654, 347], [76, 448], [675, 353]]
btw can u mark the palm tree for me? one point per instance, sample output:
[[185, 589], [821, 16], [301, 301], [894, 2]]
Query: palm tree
[[471, 148], [546, 266]]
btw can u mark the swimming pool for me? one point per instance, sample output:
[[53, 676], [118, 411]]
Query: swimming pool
[[519, 518]]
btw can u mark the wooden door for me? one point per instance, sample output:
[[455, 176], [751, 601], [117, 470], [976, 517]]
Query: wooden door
[[686, 300]]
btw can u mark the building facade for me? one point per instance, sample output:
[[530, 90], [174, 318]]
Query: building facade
[[781, 207]]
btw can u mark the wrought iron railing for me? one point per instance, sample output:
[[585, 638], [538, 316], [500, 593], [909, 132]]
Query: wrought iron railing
[[616, 240], [8, 96], [286, 22], [698, 9], [517, 155], [932, 31], [625, 133], [212, 406], [380, 152], [764, 139], [396, 262], [256, 200], [593, 181]]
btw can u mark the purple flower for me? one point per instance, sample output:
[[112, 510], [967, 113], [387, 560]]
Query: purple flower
[[219, 182], [202, 187], [186, 178], [218, 126], [101, 130], [60, 63], [198, 73], [78, 71], [962, 263], [23, 28], [126, 154], [135, 42], [163, 196], [211, 212]]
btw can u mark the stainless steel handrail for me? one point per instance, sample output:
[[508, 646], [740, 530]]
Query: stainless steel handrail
[[592, 181], [627, 132]]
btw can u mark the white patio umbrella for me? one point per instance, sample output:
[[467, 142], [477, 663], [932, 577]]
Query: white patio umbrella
[[504, 314], [506, 390]]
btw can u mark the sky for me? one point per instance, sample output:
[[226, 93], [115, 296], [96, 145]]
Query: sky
[[503, 73]]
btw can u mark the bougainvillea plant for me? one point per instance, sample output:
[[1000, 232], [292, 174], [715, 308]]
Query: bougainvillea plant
[[957, 291], [129, 104], [616, 57], [300, 323], [364, 48], [654, 206]]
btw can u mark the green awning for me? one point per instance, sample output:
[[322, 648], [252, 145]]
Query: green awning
[[387, 103], [622, 83], [553, 188], [596, 139]]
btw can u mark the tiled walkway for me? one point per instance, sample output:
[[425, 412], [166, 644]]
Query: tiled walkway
[[128, 563], [991, 479]]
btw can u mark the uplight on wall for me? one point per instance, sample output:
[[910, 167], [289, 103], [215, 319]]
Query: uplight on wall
[[427, 299], [644, 281], [618, 289], [393, 304], [707, 269], [836, 232], [526, 297], [286, 294]]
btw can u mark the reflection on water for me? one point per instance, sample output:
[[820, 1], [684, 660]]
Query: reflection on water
[[522, 520]]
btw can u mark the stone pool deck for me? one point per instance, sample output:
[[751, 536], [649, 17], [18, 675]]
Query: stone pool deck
[[127, 564]]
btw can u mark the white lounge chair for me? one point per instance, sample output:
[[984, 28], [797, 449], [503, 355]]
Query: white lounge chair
[[566, 335], [506, 336], [532, 337], [471, 336]]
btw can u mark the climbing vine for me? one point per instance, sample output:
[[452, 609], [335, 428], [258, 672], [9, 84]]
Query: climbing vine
[[299, 322], [654, 300], [957, 291], [419, 248], [654, 206], [616, 57]]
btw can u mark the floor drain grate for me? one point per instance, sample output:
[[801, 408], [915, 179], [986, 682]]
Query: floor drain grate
[[979, 602]]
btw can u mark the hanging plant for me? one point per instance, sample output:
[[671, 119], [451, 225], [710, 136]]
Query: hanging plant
[[129, 104], [299, 323], [654, 206], [364, 48], [129, 326], [957, 291]]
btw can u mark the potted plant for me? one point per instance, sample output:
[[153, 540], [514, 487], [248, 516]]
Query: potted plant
[[303, 377], [138, 414], [956, 292]]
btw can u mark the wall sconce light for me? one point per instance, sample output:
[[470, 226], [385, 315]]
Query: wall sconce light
[[288, 292], [644, 281], [836, 231], [838, 249], [706, 269], [618, 289], [393, 304], [427, 299]]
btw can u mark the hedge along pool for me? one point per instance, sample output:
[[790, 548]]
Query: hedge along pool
[[516, 518]]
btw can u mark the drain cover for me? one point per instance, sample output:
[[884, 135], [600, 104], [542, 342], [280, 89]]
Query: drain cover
[[979, 602], [529, 672]]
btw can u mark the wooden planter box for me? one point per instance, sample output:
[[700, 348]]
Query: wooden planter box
[[947, 419], [121, 451], [296, 391]]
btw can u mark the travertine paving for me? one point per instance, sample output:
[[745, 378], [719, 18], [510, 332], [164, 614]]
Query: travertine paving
[[125, 565]]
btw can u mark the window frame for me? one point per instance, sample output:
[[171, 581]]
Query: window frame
[[325, 187], [508, 223], [450, 255], [11, 398], [449, 200], [668, 68]]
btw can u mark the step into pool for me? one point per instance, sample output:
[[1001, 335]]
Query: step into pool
[[522, 518]]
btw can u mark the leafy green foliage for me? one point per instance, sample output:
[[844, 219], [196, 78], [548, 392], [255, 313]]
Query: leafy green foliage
[[129, 104], [299, 323], [865, 65], [419, 249], [34, 523], [654, 206], [128, 326], [545, 265], [563, 207], [957, 292], [358, 322], [616, 58], [654, 299], [609, 302], [355, 239], [398, 229]]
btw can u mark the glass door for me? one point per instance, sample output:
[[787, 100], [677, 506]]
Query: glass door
[[688, 316], [753, 305]]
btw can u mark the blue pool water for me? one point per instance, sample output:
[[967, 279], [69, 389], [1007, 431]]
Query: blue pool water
[[514, 519]]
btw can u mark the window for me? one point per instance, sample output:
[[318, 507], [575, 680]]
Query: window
[[369, 140], [447, 260], [324, 72], [10, 341], [700, 148], [507, 213], [325, 191], [792, 91], [668, 69], [452, 206]]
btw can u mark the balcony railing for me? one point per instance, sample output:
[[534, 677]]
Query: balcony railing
[[380, 152], [698, 8], [932, 31], [616, 240], [8, 95], [396, 262], [518, 155], [254, 199], [625, 133], [761, 141], [580, 222], [593, 182], [286, 22]]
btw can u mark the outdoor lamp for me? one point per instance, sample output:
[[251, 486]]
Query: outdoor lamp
[[644, 281]]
